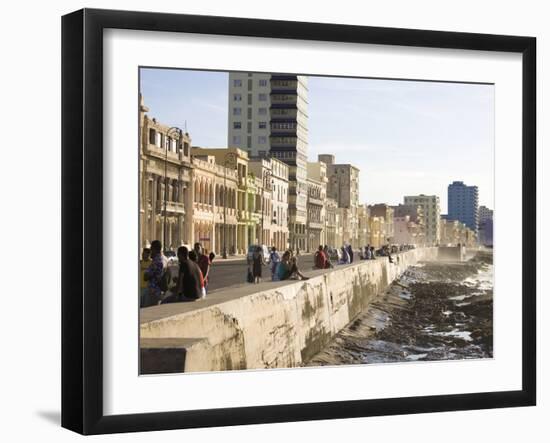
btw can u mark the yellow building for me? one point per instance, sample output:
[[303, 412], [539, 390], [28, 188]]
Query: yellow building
[[215, 204], [377, 231]]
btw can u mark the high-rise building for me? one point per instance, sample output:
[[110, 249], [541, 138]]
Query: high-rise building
[[463, 204], [485, 226], [485, 214], [431, 212], [268, 117]]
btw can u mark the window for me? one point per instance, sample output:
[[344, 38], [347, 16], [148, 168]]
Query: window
[[262, 139], [237, 97], [262, 82], [236, 111], [236, 125], [237, 83], [262, 97], [236, 139], [152, 136], [262, 125], [262, 111]]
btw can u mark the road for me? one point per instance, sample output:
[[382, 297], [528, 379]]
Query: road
[[231, 272]]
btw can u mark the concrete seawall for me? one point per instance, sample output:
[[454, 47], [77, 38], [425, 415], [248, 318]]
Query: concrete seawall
[[284, 325]]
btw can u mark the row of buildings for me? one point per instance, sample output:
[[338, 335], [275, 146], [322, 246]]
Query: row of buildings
[[228, 199], [262, 189]]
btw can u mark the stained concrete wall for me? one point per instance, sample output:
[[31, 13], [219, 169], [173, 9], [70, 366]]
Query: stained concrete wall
[[282, 326], [452, 253]]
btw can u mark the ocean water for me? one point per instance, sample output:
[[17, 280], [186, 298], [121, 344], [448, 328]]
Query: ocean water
[[434, 311]]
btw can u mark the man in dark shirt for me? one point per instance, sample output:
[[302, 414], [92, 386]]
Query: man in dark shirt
[[190, 281]]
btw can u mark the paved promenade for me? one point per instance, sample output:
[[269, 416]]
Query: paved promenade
[[232, 272]]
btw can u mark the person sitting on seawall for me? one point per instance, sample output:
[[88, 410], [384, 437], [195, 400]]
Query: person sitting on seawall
[[320, 259], [345, 256], [350, 253], [327, 255], [190, 286], [204, 263], [287, 268], [366, 255], [153, 275]]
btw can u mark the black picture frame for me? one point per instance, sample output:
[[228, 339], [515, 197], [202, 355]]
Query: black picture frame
[[82, 218]]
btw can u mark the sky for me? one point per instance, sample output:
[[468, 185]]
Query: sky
[[406, 137]]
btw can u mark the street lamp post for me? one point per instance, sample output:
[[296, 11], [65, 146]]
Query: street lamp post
[[265, 180], [229, 157], [176, 131]]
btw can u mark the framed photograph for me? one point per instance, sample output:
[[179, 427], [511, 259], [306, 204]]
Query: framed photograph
[[269, 221]]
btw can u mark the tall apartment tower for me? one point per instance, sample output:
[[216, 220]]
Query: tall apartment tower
[[463, 204], [268, 117], [431, 211]]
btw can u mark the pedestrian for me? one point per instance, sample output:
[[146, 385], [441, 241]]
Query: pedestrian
[[256, 263], [143, 265], [350, 252], [154, 274], [320, 259], [190, 280], [372, 254], [274, 259]]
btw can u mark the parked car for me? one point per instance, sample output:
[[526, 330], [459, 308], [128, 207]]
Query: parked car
[[252, 248]]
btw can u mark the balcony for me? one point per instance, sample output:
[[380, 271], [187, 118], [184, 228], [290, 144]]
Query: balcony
[[173, 157], [315, 201], [171, 206], [316, 225]]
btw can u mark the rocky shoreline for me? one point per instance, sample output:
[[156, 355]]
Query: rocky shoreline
[[435, 311]]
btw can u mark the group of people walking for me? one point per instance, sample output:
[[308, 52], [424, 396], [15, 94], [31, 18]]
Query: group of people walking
[[165, 283]]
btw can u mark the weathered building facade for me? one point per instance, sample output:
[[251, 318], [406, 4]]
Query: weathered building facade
[[165, 189]]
